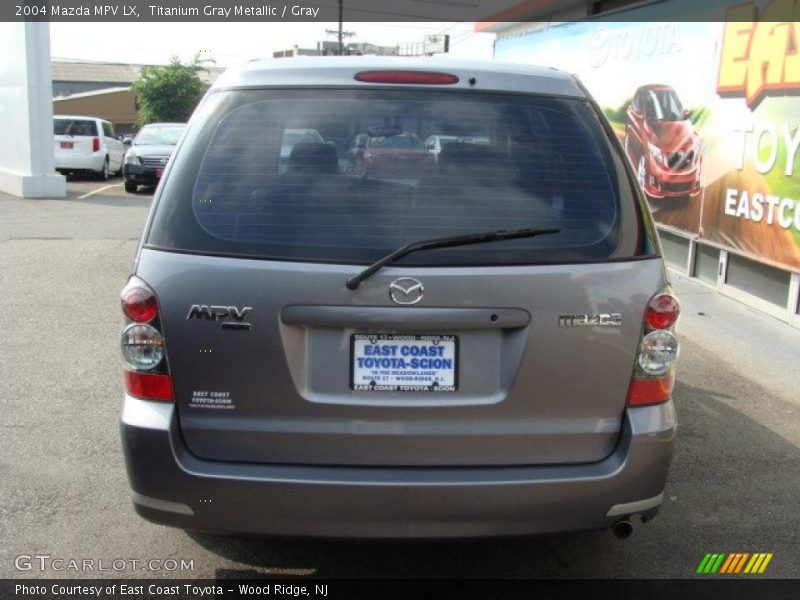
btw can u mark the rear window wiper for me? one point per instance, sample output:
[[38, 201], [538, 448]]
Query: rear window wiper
[[445, 242]]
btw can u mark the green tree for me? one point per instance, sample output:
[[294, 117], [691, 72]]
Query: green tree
[[169, 93], [619, 114]]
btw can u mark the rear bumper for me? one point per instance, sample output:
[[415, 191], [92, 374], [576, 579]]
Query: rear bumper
[[172, 487], [87, 162]]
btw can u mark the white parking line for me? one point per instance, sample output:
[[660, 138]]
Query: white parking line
[[100, 189]]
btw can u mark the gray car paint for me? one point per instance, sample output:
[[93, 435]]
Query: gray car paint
[[338, 71], [534, 393], [540, 408], [359, 502]]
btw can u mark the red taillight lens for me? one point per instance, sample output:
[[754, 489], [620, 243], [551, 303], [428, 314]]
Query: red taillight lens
[[95, 144], [149, 386], [139, 304], [142, 344], [662, 311], [650, 391], [654, 374], [418, 77]]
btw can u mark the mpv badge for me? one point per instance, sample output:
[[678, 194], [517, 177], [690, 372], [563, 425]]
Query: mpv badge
[[232, 317], [406, 290]]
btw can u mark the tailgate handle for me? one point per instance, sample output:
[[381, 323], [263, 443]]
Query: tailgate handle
[[417, 319]]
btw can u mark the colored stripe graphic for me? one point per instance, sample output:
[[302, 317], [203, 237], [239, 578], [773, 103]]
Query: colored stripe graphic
[[727, 564], [767, 558], [741, 562], [703, 563], [734, 562], [730, 564], [711, 563], [718, 564], [755, 562]]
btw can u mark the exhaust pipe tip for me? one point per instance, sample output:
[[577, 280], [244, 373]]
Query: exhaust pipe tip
[[623, 529]]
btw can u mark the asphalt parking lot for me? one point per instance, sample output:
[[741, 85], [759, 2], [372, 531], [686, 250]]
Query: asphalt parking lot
[[734, 484]]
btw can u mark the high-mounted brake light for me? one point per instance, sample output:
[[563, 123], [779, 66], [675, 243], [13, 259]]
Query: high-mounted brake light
[[416, 77], [95, 144]]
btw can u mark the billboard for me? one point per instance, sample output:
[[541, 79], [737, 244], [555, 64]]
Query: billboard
[[708, 114]]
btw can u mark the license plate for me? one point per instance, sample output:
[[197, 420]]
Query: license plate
[[67, 145], [159, 172], [404, 363]]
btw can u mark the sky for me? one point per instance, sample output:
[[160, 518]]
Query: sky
[[232, 43]]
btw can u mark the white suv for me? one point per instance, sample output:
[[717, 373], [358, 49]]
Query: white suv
[[86, 144]]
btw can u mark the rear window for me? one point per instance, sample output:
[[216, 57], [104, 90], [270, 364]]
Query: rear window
[[397, 140], [250, 179], [75, 127], [292, 137]]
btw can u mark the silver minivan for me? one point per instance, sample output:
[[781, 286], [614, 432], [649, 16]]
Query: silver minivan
[[475, 344]]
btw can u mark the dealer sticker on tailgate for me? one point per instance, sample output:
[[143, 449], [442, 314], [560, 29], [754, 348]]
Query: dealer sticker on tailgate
[[404, 363]]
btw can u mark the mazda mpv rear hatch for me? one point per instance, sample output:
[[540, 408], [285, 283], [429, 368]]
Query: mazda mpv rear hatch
[[506, 352]]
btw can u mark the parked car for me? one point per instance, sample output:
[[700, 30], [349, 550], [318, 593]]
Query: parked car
[[487, 352], [435, 143], [662, 144], [292, 137], [389, 152], [86, 145], [149, 154]]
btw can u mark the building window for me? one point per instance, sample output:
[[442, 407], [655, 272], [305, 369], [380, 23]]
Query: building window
[[797, 302], [675, 250], [706, 266], [761, 281]]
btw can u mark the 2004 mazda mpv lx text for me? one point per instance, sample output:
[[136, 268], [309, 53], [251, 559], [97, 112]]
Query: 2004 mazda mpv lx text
[[475, 343]]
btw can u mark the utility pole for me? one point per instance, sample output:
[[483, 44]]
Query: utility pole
[[340, 33], [341, 18]]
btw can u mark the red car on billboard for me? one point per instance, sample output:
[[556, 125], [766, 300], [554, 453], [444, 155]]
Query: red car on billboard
[[662, 144]]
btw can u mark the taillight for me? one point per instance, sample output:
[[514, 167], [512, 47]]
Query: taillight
[[650, 391], [414, 77], [657, 352], [662, 311], [95, 144], [149, 386], [139, 303], [654, 372], [142, 344]]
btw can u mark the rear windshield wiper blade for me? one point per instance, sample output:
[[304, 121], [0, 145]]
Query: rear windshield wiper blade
[[445, 242]]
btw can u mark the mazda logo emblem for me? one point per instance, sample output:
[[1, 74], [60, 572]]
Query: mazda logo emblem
[[406, 290]]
